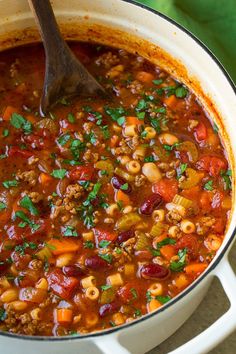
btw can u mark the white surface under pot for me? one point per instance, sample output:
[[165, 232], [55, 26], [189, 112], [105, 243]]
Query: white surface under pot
[[128, 25]]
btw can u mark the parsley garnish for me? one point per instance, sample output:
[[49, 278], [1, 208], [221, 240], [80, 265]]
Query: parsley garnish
[[181, 92], [70, 231], [5, 133], [163, 299], [71, 118], [166, 241], [134, 293], [106, 257], [208, 185], [178, 266], [226, 175], [89, 244], [124, 187], [60, 173], [19, 122], [25, 220], [2, 206], [116, 114], [148, 296], [3, 314], [215, 128], [105, 287], [21, 248], [182, 169], [170, 147], [27, 203], [63, 139], [9, 184], [157, 82], [149, 158], [104, 243]]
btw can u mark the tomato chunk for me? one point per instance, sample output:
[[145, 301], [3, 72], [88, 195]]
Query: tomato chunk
[[18, 152], [82, 173], [167, 188], [129, 292], [191, 243], [212, 164], [200, 132], [62, 285], [106, 235]]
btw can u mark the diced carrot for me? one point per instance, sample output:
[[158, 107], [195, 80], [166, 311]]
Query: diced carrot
[[168, 251], [114, 140], [171, 101], [144, 77], [64, 246], [32, 119], [133, 120], [159, 238], [9, 110], [122, 197], [153, 305], [45, 179], [64, 315], [167, 188], [195, 268]]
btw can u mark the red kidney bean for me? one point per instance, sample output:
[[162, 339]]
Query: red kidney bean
[[118, 182], [124, 236], [151, 203], [108, 309], [154, 271], [73, 271], [95, 262]]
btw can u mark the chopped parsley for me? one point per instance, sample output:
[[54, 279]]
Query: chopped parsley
[[163, 299], [166, 241], [71, 118], [76, 147], [148, 296], [70, 231], [149, 158], [134, 293], [19, 122], [89, 244], [9, 184], [25, 220], [3, 314], [179, 265], [116, 114], [106, 257], [63, 139], [21, 248], [104, 243], [215, 128], [208, 186], [157, 82], [137, 313], [5, 133], [182, 168], [124, 187], [60, 173], [181, 92], [27, 203], [170, 147], [226, 175], [2, 206], [105, 287]]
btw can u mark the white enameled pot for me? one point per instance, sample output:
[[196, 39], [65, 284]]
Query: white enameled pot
[[125, 24]]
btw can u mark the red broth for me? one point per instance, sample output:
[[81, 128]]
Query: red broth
[[108, 209]]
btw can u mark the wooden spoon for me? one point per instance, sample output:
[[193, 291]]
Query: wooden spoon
[[65, 76]]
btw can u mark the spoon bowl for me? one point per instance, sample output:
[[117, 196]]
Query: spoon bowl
[[65, 75]]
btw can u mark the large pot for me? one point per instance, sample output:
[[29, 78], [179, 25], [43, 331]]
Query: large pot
[[128, 25]]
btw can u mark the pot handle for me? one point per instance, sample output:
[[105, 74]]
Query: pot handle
[[110, 344], [225, 325]]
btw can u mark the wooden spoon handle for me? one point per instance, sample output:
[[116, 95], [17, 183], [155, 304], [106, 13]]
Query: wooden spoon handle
[[53, 42]]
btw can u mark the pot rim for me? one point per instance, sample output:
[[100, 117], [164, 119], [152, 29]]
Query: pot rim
[[209, 268]]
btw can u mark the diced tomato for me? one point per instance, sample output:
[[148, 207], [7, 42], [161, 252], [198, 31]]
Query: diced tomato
[[39, 141], [212, 164], [167, 188], [129, 292], [17, 151], [82, 173], [219, 226], [101, 234], [200, 132], [19, 234], [205, 201], [62, 285], [190, 242]]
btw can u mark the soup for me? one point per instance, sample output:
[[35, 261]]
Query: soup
[[108, 208]]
